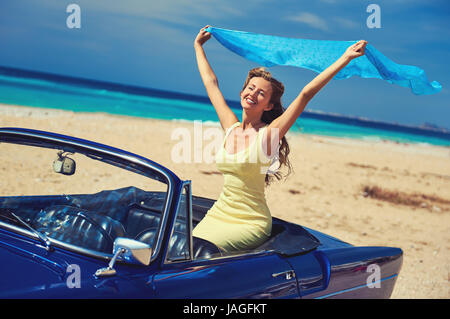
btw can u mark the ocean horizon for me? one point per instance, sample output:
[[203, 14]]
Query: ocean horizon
[[46, 90]]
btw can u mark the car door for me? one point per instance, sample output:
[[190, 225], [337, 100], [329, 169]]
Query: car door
[[253, 275], [30, 271], [263, 275]]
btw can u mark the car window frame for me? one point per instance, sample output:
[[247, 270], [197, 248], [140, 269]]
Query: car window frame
[[167, 260]]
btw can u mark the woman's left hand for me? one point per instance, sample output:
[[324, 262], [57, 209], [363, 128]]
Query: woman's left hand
[[356, 50], [202, 36]]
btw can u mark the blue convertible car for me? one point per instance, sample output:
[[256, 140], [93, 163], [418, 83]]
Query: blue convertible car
[[63, 236]]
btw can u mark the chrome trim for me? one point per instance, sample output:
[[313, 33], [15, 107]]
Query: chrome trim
[[354, 288], [126, 157], [239, 254], [288, 274], [55, 242], [191, 240], [162, 226], [41, 236]]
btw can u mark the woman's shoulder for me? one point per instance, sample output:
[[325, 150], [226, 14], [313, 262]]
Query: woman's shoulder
[[234, 125], [228, 129]]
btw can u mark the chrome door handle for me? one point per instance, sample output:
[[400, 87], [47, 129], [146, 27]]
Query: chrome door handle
[[289, 274]]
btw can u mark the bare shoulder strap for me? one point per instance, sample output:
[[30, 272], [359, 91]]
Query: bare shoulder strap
[[262, 135], [228, 131]]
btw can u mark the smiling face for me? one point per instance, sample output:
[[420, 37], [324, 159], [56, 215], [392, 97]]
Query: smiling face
[[256, 95]]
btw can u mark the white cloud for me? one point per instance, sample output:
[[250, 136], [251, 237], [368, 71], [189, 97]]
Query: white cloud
[[310, 19], [346, 23]]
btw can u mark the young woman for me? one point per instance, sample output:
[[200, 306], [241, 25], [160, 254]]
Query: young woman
[[240, 218]]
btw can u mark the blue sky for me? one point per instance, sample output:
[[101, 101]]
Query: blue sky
[[149, 43]]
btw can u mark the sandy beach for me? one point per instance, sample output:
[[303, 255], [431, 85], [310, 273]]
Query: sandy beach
[[366, 193]]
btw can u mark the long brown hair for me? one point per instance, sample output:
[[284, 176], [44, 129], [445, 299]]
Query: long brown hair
[[268, 116]]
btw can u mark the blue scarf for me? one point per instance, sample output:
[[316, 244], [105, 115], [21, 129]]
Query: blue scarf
[[317, 55]]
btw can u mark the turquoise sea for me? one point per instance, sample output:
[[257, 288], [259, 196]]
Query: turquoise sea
[[37, 89]]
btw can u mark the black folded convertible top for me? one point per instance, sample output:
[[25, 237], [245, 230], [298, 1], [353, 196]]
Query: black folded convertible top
[[289, 239]]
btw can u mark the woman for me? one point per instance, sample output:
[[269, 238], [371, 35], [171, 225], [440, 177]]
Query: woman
[[240, 218]]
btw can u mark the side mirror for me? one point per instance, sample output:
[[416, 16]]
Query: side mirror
[[131, 251]]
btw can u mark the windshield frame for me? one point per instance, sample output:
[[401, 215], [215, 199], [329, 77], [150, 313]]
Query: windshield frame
[[95, 151]]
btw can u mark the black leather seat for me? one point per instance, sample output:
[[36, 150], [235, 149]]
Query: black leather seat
[[139, 220], [147, 236], [202, 249], [79, 227]]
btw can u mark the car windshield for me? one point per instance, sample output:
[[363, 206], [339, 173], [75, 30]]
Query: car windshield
[[79, 200]]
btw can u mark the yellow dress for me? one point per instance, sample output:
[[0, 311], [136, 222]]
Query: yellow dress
[[240, 218]]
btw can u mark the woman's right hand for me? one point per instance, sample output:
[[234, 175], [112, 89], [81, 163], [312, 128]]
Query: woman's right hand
[[202, 36], [356, 50]]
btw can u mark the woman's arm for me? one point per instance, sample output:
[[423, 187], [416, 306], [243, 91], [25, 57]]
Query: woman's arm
[[285, 121], [225, 114]]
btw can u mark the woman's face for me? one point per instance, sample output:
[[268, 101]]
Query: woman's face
[[256, 95]]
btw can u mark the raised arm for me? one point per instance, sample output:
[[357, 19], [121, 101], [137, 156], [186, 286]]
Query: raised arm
[[285, 121], [225, 114]]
